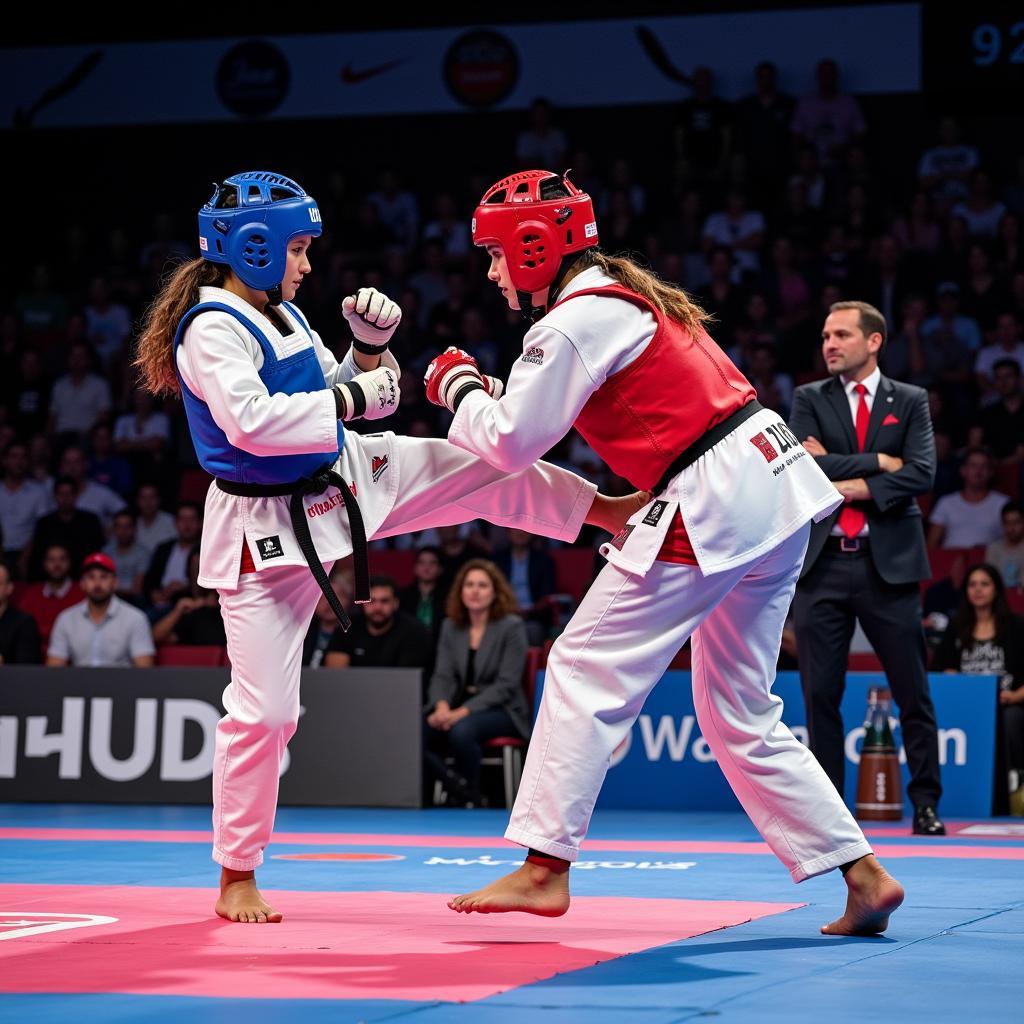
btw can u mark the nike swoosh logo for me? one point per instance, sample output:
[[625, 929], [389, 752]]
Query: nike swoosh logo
[[352, 77]]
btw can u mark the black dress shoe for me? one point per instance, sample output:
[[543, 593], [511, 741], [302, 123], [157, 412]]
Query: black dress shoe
[[927, 822]]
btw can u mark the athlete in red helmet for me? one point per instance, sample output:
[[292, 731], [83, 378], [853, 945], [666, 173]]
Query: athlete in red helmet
[[715, 555]]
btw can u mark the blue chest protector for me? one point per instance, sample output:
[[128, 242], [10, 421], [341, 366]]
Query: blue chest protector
[[292, 375]]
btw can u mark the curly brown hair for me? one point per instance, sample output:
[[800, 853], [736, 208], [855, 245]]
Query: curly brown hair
[[179, 292], [505, 602]]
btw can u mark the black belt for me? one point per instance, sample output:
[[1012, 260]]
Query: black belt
[[706, 442], [317, 483]]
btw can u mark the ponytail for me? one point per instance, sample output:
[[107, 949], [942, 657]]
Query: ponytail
[[669, 299], [179, 292]]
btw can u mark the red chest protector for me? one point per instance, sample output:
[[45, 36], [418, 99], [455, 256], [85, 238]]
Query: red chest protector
[[642, 417]]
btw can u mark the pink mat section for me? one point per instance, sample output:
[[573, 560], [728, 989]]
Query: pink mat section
[[923, 848], [341, 945]]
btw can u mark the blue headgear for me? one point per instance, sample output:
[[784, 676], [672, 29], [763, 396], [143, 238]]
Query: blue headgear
[[249, 221]]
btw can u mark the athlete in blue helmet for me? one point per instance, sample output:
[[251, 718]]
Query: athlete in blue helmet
[[266, 402]]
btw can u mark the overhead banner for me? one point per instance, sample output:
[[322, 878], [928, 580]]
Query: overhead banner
[[147, 736], [666, 763], [446, 70]]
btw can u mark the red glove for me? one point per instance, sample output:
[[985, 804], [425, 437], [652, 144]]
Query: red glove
[[452, 376]]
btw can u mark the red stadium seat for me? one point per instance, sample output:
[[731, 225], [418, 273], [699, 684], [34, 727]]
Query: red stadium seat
[[574, 570], [190, 656], [194, 485], [1007, 480], [396, 564]]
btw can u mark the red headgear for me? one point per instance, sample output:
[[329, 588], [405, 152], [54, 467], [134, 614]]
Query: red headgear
[[534, 232]]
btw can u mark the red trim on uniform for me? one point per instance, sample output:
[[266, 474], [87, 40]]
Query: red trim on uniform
[[248, 565], [677, 547]]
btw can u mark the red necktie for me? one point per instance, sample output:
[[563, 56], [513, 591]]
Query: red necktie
[[852, 520]]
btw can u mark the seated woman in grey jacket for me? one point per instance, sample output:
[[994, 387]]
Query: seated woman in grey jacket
[[476, 692]]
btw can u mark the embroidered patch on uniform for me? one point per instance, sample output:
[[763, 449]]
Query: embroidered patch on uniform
[[269, 547], [534, 355], [765, 447], [378, 464], [654, 516], [621, 537]]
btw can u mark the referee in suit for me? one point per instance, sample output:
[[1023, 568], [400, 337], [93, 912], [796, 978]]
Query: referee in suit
[[873, 438]]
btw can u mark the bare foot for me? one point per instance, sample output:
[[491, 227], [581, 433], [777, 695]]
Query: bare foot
[[241, 901], [873, 895], [535, 888]]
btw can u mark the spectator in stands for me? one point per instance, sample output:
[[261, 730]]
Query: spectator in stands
[[762, 131], [79, 531], [949, 342], [979, 210], [130, 558], [397, 210], [40, 458], [1009, 248], [917, 231], [621, 178], [458, 545], [986, 638], [1007, 553], [774, 389], [108, 323], [90, 496], [46, 600], [970, 517], [167, 576], [984, 296], [195, 618], [530, 572], [722, 296], [383, 636], [43, 310], [1002, 424], [154, 526], [543, 144], [829, 120], [904, 355], [80, 397], [325, 622], [22, 504], [144, 433], [425, 598], [704, 131], [19, 635], [449, 228], [101, 631], [430, 282], [27, 394], [111, 471], [739, 230], [1007, 347], [944, 169], [886, 282], [476, 692]]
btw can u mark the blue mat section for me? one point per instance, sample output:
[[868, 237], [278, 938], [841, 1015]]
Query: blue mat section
[[953, 953]]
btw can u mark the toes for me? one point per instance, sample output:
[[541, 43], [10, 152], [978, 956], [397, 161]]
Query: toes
[[259, 917]]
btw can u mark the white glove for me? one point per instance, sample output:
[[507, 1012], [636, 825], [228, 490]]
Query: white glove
[[370, 396], [373, 318]]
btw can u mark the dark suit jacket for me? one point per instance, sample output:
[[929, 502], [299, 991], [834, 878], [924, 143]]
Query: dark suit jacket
[[897, 543], [540, 570], [498, 669], [157, 564]]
